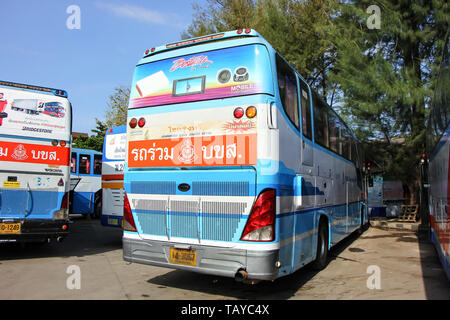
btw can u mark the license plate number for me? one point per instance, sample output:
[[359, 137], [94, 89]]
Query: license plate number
[[113, 222], [9, 227], [183, 256]]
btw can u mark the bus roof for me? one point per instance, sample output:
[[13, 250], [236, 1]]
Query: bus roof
[[55, 92], [244, 34], [118, 129], [85, 151], [203, 39]]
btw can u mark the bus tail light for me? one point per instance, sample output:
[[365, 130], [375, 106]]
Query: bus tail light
[[133, 123], [238, 113], [63, 212], [141, 122], [128, 224], [65, 201], [261, 222]]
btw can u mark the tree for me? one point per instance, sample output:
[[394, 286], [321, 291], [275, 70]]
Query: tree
[[116, 114], [386, 76], [379, 80], [296, 29], [93, 142]]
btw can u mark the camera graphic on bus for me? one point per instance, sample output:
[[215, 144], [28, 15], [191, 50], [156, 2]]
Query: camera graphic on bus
[[240, 75]]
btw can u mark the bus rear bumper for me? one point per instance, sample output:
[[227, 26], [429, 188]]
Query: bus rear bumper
[[226, 262], [32, 230]]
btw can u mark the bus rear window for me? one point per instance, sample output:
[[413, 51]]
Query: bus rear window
[[85, 164], [73, 163], [206, 75], [97, 164]]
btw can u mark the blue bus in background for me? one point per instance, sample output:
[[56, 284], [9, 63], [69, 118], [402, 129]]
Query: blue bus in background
[[85, 182]]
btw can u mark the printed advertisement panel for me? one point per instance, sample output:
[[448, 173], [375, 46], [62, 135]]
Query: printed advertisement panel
[[115, 146], [208, 75], [31, 114]]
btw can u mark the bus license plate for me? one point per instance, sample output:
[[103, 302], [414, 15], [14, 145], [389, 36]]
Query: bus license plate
[[113, 222], [9, 228], [183, 256]]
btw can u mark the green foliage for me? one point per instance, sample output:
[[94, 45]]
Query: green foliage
[[116, 113], [379, 80], [93, 142], [386, 78]]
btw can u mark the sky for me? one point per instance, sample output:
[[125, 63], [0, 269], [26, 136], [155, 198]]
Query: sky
[[86, 47]]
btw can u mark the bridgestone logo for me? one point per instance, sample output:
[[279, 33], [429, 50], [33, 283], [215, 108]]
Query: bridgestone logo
[[37, 130]]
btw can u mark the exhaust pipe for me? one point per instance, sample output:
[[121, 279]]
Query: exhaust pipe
[[241, 275], [59, 239]]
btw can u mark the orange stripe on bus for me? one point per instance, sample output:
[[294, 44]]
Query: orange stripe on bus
[[107, 177], [112, 185]]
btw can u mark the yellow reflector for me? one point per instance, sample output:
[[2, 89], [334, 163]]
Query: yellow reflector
[[250, 112]]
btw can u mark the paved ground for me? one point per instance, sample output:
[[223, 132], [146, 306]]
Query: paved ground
[[407, 268]]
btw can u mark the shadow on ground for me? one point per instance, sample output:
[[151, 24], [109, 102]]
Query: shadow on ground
[[280, 289], [86, 237]]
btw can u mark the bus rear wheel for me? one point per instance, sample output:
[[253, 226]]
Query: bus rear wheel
[[322, 248]]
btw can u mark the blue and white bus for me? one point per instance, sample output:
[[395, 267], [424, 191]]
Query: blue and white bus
[[86, 182], [34, 164], [438, 145], [235, 166], [114, 151]]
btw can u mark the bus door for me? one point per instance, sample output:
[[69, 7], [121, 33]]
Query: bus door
[[304, 185], [82, 198], [307, 146]]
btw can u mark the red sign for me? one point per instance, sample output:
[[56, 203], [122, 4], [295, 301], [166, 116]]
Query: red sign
[[224, 150], [34, 153]]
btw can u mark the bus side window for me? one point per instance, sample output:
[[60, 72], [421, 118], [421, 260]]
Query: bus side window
[[334, 131], [306, 110], [346, 143], [73, 163], [287, 85], [97, 164], [320, 122], [85, 164]]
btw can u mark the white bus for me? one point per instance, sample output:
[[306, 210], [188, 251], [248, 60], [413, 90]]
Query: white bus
[[114, 151], [34, 163]]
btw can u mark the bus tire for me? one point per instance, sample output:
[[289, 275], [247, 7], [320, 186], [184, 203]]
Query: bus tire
[[98, 206], [321, 260], [364, 224]]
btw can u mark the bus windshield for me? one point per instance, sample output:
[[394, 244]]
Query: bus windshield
[[222, 73]]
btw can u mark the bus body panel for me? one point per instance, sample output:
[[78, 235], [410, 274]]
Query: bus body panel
[[438, 149], [186, 192], [85, 181], [114, 151], [439, 169], [34, 163]]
